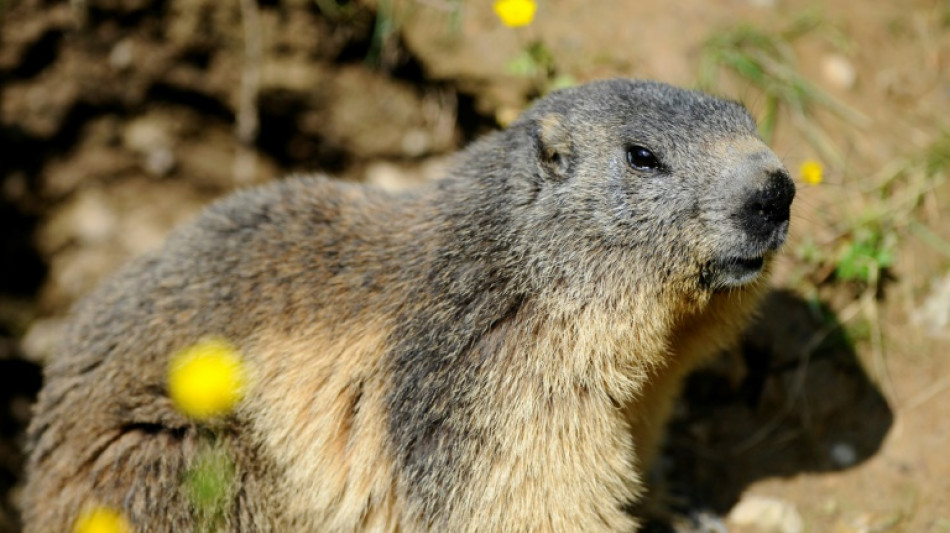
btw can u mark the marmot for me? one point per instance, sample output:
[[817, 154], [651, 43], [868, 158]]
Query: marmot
[[495, 352]]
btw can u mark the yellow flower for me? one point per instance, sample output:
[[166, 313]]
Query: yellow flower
[[207, 379], [101, 520], [811, 172], [514, 13]]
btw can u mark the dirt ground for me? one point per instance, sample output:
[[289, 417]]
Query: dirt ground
[[121, 118]]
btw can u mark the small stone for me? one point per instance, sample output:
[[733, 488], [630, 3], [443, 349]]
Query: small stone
[[160, 161], [150, 137], [843, 454], [934, 315], [766, 515], [416, 142], [93, 219], [838, 71], [42, 339], [121, 56], [145, 134], [391, 177], [701, 522], [507, 115]]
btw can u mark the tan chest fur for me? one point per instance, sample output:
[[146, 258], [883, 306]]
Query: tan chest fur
[[556, 407], [317, 406]]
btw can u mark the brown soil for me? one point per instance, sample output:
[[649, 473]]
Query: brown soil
[[121, 118]]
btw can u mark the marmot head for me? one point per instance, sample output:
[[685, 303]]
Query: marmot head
[[673, 185]]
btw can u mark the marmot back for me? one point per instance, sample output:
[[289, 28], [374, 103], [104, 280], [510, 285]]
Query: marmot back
[[447, 359]]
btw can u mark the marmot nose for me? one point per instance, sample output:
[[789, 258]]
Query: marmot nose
[[767, 209]]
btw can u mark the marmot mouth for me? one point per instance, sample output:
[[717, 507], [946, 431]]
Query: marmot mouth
[[731, 272]]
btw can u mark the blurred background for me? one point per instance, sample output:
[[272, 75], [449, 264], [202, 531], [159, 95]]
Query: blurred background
[[121, 118]]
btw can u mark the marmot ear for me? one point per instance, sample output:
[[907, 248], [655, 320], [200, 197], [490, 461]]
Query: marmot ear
[[555, 149]]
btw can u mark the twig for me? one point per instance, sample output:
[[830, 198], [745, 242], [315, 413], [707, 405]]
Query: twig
[[925, 234], [927, 394], [869, 304]]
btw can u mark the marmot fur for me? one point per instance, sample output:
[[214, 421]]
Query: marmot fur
[[496, 352]]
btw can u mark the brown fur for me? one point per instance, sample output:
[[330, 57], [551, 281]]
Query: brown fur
[[496, 352]]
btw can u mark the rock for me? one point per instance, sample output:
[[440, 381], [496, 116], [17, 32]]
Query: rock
[[838, 71], [416, 142], [150, 137], [388, 176], [843, 454], [42, 338], [160, 161], [700, 522], [762, 514], [395, 177], [122, 55], [92, 220], [934, 315], [146, 133]]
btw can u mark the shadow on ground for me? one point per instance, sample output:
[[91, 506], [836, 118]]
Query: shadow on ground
[[794, 399]]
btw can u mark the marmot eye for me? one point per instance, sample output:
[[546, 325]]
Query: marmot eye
[[642, 159]]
